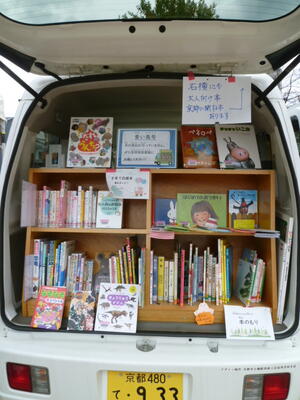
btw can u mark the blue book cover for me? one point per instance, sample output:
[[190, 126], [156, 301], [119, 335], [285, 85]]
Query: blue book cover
[[164, 212], [243, 210]]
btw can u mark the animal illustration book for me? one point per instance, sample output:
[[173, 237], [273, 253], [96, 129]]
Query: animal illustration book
[[199, 148], [82, 312], [242, 207], [109, 211], [49, 308], [205, 210], [164, 212], [90, 142], [237, 147], [117, 308]]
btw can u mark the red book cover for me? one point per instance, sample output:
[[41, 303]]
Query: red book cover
[[182, 260], [199, 148], [49, 308]]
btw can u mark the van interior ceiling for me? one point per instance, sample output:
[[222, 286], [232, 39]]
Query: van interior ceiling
[[133, 103]]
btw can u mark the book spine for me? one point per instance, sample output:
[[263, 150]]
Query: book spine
[[160, 279], [195, 275], [182, 262], [171, 282], [175, 277], [125, 265], [204, 276], [35, 272], [151, 277], [155, 280], [166, 281], [122, 272], [190, 276], [253, 275]]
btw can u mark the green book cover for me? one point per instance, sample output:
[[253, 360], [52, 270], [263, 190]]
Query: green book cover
[[202, 209]]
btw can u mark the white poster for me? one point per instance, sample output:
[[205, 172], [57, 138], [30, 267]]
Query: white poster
[[248, 323], [210, 100], [128, 183]]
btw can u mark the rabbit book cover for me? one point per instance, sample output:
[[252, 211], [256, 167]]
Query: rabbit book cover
[[164, 212], [237, 147]]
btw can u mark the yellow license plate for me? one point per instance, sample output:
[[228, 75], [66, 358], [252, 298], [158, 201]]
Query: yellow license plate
[[144, 386]]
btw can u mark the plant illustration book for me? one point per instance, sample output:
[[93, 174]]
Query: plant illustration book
[[82, 312], [109, 211], [90, 142], [242, 209], [199, 148], [205, 210], [237, 146], [117, 307], [49, 308]]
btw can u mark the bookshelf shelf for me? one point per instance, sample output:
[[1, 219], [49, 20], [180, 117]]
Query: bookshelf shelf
[[166, 183]]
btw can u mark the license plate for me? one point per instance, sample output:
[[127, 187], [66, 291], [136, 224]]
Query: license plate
[[144, 386]]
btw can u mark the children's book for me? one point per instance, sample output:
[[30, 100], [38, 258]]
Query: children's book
[[49, 308], [90, 142], [109, 211], [237, 146], [117, 308], [244, 280], [284, 223], [242, 209], [199, 148], [203, 210], [164, 212], [82, 312]]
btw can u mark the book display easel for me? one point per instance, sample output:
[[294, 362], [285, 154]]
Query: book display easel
[[137, 221]]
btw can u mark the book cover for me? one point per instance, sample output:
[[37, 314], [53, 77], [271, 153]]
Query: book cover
[[242, 209], [237, 146], [244, 280], [90, 142], [82, 312], [109, 211], [117, 308], [164, 212], [201, 209], [49, 308], [199, 147], [284, 224]]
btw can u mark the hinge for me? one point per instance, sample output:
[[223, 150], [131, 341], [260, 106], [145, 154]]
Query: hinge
[[22, 83]]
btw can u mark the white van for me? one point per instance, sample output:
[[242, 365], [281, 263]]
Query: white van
[[132, 70]]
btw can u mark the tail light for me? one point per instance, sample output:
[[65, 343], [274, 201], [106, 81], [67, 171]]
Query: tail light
[[28, 378], [266, 387]]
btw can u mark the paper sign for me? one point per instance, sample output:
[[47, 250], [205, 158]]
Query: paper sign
[[210, 100], [128, 183], [250, 323]]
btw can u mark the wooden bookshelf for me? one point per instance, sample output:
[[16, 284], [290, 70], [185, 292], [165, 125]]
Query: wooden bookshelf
[[166, 183]]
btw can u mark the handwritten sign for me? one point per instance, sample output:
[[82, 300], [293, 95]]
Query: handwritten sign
[[128, 183], [250, 323], [210, 100], [147, 148]]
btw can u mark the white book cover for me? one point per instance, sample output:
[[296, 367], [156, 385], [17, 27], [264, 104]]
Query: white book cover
[[171, 281], [237, 146], [90, 142], [109, 211], [117, 307], [284, 224]]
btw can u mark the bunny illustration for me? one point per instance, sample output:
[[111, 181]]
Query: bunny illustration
[[171, 214]]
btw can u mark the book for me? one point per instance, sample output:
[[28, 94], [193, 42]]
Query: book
[[90, 142], [82, 312], [164, 212], [109, 211], [244, 280], [117, 308], [199, 148], [284, 224], [49, 308], [237, 146], [201, 209], [242, 209]]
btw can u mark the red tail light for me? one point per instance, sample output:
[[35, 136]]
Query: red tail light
[[276, 386], [19, 377]]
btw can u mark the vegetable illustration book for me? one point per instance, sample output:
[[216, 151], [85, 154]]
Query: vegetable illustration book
[[199, 148], [90, 142], [49, 308]]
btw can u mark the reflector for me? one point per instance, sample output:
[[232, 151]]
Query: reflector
[[19, 377], [276, 386]]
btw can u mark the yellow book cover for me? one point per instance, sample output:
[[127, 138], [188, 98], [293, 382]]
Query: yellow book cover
[[161, 277]]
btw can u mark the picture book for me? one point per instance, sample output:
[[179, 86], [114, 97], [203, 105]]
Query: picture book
[[245, 277], [82, 312], [237, 146], [284, 224], [199, 147], [49, 308], [117, 308], [109, 211], [90, 142], [242, 209], [205, 210], [164, 212]]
